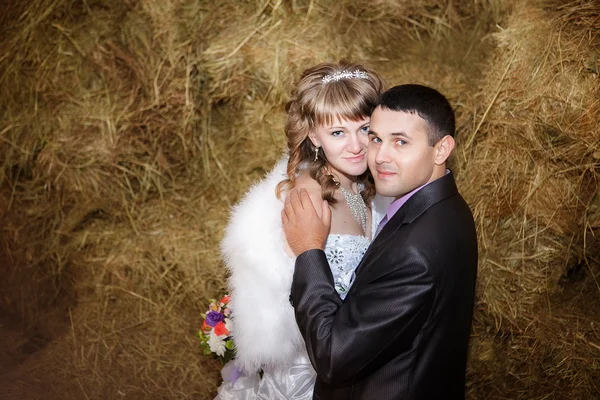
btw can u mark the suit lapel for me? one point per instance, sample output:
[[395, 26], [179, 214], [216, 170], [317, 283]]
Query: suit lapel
[[429, 195]]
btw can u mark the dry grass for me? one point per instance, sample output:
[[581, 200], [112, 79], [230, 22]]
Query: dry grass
[[529, 166], [130, 127]]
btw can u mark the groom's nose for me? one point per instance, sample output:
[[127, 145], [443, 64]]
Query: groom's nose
[[382, 155]]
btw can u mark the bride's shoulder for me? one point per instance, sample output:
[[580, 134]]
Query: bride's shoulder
[[305, 181]]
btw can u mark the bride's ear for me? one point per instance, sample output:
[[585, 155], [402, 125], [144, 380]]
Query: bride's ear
[[443, 149], [313, 139]]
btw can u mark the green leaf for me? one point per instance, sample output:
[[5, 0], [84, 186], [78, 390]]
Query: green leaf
[[229, 354]]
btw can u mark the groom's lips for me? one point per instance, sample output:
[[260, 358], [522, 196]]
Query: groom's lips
[[384, 174]]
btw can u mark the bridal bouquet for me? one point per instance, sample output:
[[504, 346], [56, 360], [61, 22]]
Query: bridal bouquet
[[215, 333]]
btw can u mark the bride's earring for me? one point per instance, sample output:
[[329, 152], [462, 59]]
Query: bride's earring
[[316, 152], [333, 178]]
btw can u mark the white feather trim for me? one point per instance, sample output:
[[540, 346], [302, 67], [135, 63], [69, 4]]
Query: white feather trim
[[265, 330]]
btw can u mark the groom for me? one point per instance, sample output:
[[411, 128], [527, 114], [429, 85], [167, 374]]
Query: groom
[[403, 329]]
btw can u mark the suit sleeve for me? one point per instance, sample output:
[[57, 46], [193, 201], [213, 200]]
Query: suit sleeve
[[377, 321]]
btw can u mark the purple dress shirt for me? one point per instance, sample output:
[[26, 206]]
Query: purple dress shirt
[[396, 204]]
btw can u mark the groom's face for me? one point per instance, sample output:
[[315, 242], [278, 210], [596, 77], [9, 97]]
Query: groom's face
[[399, 155]]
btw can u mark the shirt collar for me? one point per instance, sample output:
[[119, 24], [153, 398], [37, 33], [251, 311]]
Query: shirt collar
[[400, 201]]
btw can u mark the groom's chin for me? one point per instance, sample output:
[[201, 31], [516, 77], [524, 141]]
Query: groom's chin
[[384, 191]]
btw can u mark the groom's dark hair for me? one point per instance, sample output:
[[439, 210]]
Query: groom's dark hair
[[424, 101]]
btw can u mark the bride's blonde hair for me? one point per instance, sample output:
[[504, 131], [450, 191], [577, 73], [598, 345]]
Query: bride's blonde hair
[[325, 92]]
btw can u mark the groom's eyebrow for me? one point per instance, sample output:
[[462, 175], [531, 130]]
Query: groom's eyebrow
[[394, 134]]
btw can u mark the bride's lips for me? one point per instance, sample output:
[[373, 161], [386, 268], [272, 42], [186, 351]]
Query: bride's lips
[[356, 159]]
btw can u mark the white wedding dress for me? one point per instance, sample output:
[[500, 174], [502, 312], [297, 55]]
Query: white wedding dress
[[296, 382]]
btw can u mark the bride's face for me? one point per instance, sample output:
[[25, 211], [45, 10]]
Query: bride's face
[[344, 143]]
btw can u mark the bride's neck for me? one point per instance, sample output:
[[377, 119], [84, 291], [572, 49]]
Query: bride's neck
[[347, 182]]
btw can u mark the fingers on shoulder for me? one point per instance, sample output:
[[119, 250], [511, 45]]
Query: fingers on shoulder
[[313, 191]]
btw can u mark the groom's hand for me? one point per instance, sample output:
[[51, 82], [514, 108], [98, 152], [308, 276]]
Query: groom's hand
[[304, 229]]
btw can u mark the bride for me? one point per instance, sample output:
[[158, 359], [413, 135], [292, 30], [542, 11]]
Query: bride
[[327, 135]]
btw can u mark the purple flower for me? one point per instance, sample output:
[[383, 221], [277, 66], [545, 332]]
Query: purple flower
[[213, 318]]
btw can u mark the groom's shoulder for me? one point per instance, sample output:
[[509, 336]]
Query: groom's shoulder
[[449, 215], [449, 205]]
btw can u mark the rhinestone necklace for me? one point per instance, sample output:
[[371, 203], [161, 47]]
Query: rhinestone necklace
[[357, 206]]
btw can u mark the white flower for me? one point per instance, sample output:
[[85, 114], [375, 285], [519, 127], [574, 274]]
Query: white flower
[[216, 344], [229, 324]]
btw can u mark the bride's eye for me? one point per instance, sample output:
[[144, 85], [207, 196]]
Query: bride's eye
[[337, 133]]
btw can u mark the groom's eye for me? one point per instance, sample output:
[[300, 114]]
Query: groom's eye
[[375, 139]]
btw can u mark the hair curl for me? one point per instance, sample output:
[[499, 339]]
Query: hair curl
[[313, 104]]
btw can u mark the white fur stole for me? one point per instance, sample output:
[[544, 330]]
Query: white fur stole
[[264, 327]]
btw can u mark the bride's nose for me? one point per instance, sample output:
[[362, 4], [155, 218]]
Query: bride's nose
[[353, 146]]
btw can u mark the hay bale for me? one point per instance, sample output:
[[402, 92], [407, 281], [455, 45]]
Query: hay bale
[[96, 121], [526, 168], [142, 277], [554, 357], [528, 171], [263, 57]]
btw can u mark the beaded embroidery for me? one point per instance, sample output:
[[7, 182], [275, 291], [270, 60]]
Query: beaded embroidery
[[344, 253]]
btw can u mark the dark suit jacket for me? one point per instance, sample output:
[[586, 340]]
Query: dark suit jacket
[[403, 330]]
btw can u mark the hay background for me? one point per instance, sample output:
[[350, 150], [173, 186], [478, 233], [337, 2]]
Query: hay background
[[130, 127]]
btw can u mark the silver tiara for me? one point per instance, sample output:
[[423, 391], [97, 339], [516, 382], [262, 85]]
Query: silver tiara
[[358, 74]]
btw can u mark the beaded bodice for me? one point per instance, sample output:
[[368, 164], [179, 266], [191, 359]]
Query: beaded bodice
[[344, 253]]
